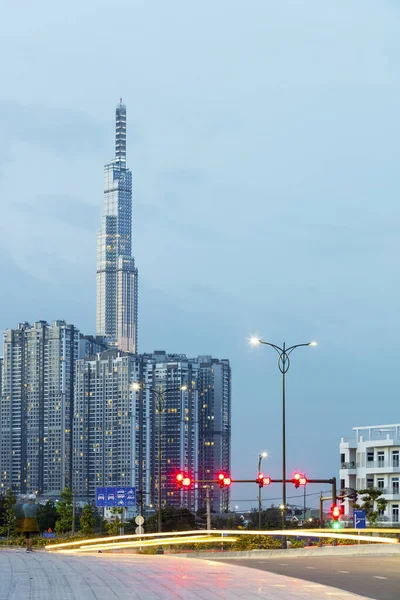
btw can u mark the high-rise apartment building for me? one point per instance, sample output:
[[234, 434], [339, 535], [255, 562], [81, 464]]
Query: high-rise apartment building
[[118, 430], [117, 276], [36, 406], [214, 425], [103, 424]]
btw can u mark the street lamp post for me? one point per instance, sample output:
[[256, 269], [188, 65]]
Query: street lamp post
[[260, 457], [283, 365], [159, 394]]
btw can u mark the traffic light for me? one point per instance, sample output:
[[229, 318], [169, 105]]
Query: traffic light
[[336, 511], [182, 480], [299, 479], [262, 480], [223, 480]]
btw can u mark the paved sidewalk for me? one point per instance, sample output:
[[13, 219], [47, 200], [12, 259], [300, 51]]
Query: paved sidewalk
[[47, 576]]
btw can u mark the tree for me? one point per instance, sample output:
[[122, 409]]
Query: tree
[[113, 527], [372, 503], [47, 516], [271, 518], [65, 511], [87, 520], [172, 519], [8, 513]]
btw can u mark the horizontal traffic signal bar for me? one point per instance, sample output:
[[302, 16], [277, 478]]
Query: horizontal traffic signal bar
[[330, 481]]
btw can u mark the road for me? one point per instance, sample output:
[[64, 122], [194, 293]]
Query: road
[[50, 576], [376, 577]]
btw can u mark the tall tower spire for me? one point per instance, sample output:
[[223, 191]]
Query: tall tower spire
[[120, 131], [117, 275]]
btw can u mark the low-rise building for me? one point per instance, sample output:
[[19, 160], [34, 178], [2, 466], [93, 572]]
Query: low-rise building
[[371, 459]]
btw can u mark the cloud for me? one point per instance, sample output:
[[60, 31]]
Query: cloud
[[64, 208], [65, 132]]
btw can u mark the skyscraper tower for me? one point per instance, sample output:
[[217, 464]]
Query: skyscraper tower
[[117, 276]]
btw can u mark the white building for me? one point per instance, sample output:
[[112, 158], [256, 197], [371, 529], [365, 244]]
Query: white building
[[371, 460]]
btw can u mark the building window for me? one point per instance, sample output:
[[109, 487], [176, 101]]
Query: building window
[[395, 513], [381, 458], [395, 485], [370, 456], [395, 458], [380, 483]]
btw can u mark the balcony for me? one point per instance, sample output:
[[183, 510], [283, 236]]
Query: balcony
[[350, 468], [392, 493], [390, 465], [348, 465]]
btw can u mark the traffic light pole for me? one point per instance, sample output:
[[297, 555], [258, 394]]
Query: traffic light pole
[[331, 481]]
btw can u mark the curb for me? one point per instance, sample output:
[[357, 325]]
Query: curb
[[370, 550]]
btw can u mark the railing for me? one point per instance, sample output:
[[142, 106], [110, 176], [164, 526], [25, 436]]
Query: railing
[[348, 465], [391, 491], [387, 521], [382, 464]]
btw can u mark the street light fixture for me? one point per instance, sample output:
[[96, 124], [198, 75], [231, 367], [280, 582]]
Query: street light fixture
[[283, 365], [159, 394]]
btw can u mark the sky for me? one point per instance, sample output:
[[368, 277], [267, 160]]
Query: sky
[[264, 142]]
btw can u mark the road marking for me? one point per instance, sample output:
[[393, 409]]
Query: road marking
[[283, 564], [311, 567], [277, 585], [378, 577], [343, 571]]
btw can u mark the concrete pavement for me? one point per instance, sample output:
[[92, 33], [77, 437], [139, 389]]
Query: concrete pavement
[[376, 577], [47, 576]]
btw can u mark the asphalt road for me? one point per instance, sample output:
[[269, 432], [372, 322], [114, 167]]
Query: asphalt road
[[376, 577]]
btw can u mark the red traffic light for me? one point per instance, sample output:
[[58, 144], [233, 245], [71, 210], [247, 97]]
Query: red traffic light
[[182, 480], [223, 480], [336, 511], [262, 480], [299, 479]]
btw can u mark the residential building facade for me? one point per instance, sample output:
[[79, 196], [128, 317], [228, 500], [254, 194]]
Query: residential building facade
[[36, 407], [117, 276], [128, 436], [372, 460]]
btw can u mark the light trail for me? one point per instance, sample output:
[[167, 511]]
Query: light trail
[[149, 543], [189, 537]]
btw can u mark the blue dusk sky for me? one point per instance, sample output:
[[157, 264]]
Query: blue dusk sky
[[264, 142]]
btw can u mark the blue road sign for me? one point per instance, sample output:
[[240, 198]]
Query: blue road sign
[[120, 496], [110, 496], [116, 496], [130, 496], [48, 534], [359, 519], [100, 496]]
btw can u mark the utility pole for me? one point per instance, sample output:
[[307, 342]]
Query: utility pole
[[208, 508], [73, 514]]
